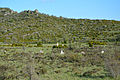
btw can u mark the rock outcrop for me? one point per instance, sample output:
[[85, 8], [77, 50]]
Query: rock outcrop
[[6, 11]]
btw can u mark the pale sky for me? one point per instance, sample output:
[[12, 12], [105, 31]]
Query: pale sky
[[85, 9]]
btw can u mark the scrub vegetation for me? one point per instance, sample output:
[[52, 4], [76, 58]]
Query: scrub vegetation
[[31, 44]]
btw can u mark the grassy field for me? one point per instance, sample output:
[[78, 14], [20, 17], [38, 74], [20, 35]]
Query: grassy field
[[29, 63]]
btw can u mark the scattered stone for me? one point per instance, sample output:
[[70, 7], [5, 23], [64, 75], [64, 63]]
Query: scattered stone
[[57, 44], [62, 52], [102, 52], [82, 52], [41, 51], [5, 51]]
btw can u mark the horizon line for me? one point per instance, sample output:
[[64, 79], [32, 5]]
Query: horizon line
[[18, 11]]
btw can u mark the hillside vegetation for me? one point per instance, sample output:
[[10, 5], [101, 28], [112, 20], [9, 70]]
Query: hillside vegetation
[[37, 46], [33, 26]]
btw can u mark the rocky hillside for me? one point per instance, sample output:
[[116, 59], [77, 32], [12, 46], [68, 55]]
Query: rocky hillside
[[33, 26], [6, 11]]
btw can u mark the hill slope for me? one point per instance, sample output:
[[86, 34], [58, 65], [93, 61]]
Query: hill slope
[[32, 26]]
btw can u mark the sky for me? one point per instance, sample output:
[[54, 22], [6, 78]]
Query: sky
[[79, 9]]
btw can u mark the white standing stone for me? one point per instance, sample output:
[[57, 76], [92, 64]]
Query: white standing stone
[[62, 52], [5, 51], [57, 44], [102, 51]]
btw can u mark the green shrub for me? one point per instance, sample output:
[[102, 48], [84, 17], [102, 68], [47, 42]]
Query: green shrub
[[112, 65], [118, 38], [71, 58], [17, 44], [60, 46], [39, 44], [41, 70], [91, 43]]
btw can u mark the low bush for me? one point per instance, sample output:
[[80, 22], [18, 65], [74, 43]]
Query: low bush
[[112, 64], [60, 46], [91, 43], [39, 44], [17, 44]]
